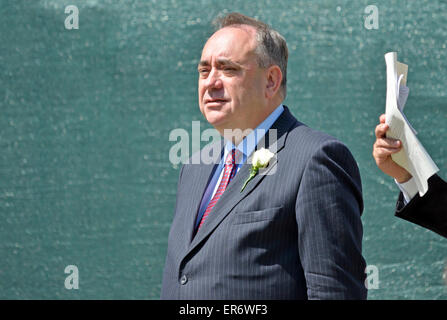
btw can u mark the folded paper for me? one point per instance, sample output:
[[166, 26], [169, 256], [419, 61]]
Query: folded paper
[[413, 157]]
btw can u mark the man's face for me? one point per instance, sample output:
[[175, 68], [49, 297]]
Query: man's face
[[231, 84]]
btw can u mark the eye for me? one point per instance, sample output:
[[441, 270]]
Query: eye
[[203, 71]]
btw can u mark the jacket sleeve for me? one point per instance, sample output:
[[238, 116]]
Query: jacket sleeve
[[429, 211], [328, 209]]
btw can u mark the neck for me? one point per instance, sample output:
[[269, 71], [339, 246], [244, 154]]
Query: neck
[[238, 132]]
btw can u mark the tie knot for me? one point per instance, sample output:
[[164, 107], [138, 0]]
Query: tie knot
[[233, 157]]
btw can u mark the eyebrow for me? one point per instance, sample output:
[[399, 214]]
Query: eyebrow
[[220, 61], [203, 63]]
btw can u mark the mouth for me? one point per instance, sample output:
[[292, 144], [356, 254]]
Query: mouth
[[215, 101]]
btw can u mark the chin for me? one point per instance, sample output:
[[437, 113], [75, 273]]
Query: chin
[[215, 116], [216, 120]]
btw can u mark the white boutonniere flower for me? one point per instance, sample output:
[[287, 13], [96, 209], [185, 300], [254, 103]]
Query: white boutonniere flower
[[260, 159]]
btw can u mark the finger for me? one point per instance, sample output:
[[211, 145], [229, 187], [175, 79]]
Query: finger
[[382, 118], [385, 152], [388, 143], [381, 154], [381, 130]]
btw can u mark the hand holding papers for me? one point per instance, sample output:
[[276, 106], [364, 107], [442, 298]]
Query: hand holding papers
[[413, 157]]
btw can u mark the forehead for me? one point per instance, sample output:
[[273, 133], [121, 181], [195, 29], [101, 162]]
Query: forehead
[[235, 43]]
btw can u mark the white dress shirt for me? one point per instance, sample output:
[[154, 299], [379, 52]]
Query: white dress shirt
[[409, 189]]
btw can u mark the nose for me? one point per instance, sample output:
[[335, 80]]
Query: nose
[[214, 80]]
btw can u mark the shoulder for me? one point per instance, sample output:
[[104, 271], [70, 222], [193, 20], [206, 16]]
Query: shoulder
[[311, 141], [305, 138], [311, 150], [319, 158]]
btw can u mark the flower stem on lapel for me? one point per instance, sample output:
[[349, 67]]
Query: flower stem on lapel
[[253, 172], [261, 159]]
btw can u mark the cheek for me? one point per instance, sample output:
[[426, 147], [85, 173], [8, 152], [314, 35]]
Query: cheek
[[200, 92], [257, 88], [247, 92], [236, 89], [200, 98], [200, 89]]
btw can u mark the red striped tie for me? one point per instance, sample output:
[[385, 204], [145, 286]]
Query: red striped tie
[[228, 174]]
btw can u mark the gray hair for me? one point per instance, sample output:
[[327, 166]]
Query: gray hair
[[271, 48]]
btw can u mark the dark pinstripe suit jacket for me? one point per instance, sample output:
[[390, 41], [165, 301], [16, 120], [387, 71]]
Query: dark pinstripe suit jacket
[[294, 234]]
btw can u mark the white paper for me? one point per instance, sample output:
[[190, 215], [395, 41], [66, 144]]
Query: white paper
[[413, 157]]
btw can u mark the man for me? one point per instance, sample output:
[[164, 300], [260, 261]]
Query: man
[[429, 211], [292, 232]]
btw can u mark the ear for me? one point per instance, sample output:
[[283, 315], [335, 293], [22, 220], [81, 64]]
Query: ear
[[274, 79]]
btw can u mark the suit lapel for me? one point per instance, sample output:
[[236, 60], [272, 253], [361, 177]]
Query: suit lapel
[[233, 195], [202, 174]]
